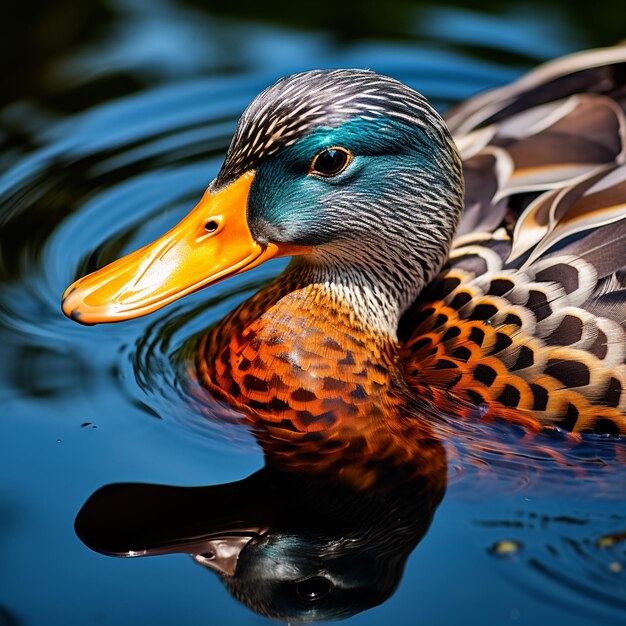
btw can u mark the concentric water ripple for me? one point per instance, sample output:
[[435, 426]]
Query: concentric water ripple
[[581, 553]]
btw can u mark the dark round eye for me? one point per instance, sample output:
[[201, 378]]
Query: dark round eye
[[211, 226], [313, 589], [330, 162]]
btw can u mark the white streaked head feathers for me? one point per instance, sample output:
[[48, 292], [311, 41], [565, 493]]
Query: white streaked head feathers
[[294, 105]]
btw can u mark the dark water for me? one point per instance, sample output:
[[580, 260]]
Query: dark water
[[115, 117]]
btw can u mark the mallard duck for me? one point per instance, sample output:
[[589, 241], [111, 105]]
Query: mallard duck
[[476, 265]]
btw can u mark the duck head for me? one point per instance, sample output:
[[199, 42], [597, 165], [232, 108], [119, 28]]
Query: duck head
[[350, 171]]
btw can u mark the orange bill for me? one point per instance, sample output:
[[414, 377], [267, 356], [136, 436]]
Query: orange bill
[[211, 243]]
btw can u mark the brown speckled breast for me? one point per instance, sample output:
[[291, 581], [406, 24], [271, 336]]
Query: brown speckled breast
[[319, 390]]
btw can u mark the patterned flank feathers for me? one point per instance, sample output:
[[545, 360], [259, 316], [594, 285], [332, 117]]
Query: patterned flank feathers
[[530, 315]]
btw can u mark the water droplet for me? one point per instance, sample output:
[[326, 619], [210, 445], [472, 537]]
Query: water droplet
[[608, 541], [506, 547]]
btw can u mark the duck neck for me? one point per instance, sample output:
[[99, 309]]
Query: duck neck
[[372, 307]]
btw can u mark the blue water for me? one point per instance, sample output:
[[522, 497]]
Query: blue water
[[108, 144]]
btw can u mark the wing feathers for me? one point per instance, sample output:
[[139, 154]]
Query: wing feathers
[[586, 72], [533, 317]]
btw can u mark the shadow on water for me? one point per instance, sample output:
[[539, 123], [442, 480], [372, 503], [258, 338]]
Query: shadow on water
[[114, 116]]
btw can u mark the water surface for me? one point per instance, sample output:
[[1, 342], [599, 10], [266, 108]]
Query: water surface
[[111, 130]]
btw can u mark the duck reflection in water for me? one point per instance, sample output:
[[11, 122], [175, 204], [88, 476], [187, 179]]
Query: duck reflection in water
[[321, 532]]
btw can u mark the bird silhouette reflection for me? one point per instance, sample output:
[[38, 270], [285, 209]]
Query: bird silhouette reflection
[[299, 540]]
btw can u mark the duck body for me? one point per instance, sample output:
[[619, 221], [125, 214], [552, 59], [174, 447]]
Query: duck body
[[381, 314], [321, 392]]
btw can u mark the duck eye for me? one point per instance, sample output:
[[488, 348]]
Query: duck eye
[[313, 589], [330, 162]]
